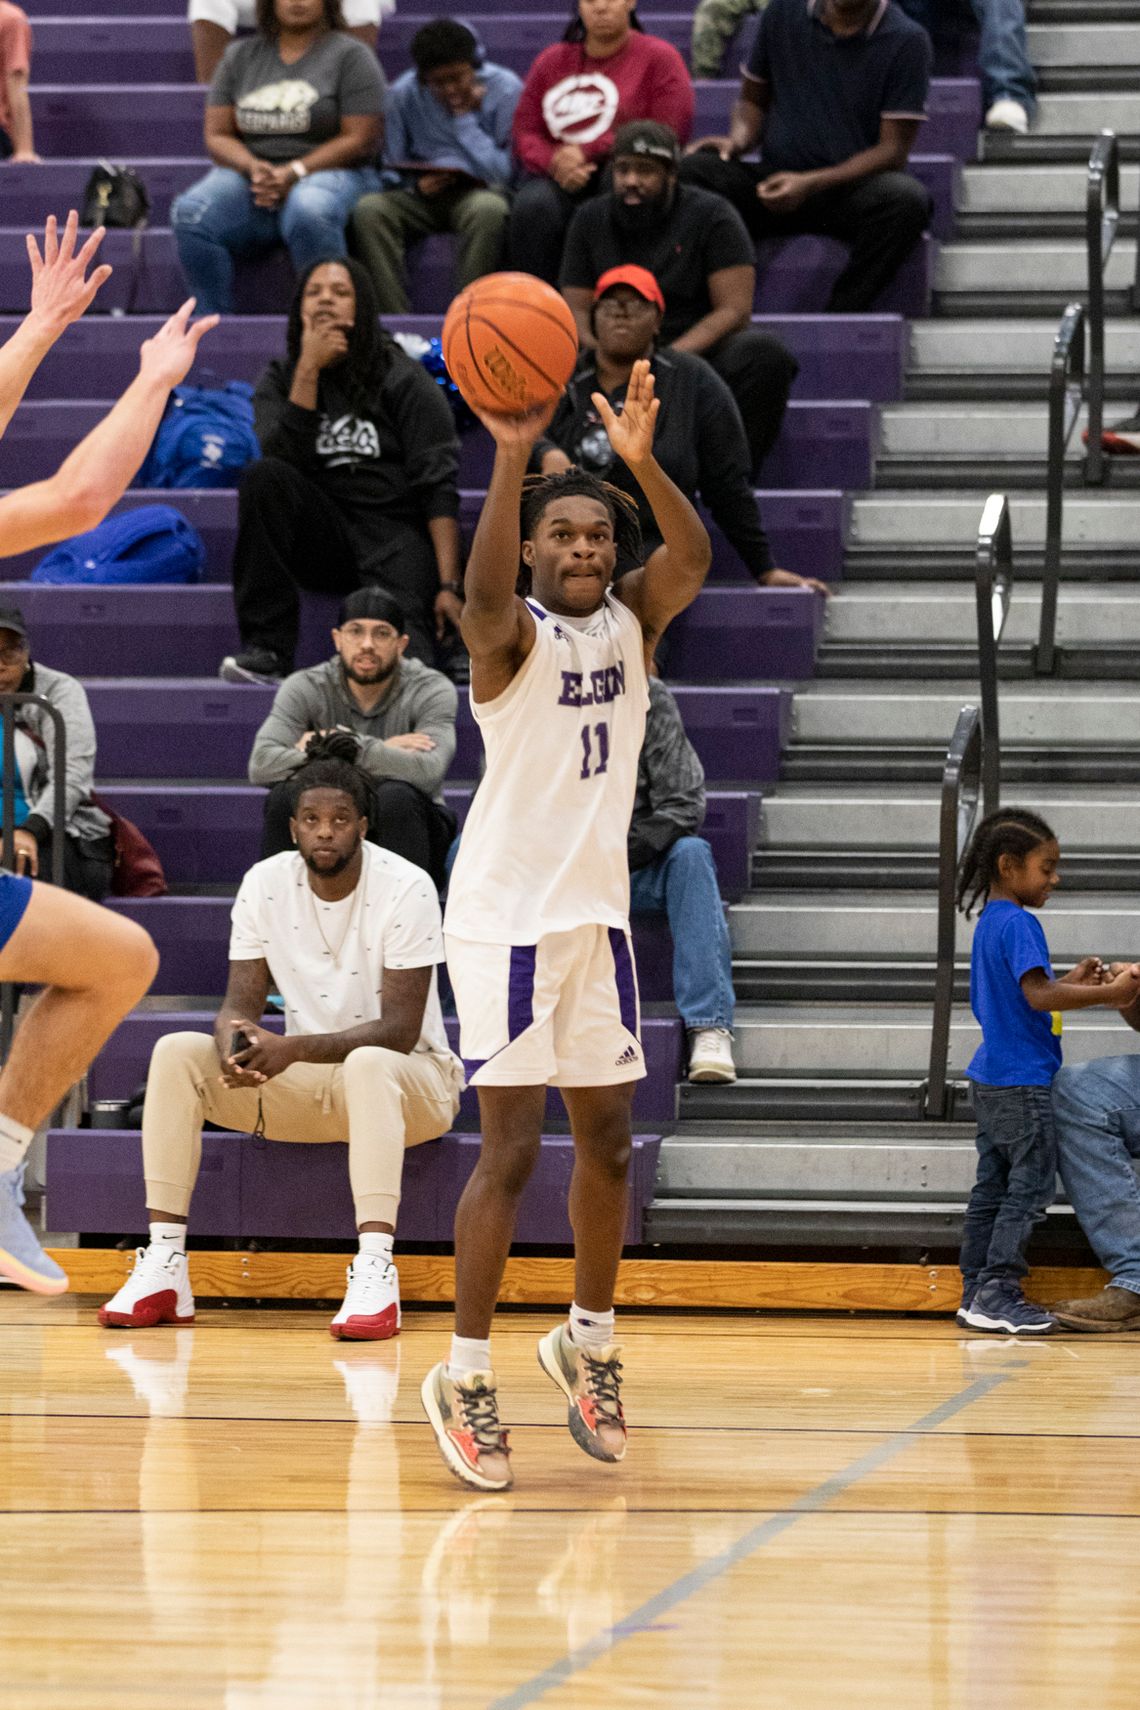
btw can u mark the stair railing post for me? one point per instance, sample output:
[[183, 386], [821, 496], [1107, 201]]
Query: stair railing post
[[958, 807], [1102, 219], [1066, 389], [993, 582]]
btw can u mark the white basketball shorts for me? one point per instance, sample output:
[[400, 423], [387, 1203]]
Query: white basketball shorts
[[563, 1012]]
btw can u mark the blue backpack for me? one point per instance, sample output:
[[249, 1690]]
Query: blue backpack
[[151, 544], [204, 438]]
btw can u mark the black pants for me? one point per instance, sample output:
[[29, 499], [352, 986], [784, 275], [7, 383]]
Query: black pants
[[291, 535], [540, 214], [401, 819], [88, 864], [882, 218], [758, 371]]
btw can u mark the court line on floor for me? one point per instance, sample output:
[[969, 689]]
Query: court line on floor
[[706, 1573]]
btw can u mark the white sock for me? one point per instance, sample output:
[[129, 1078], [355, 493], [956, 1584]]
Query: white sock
[[14, 1142], [377, 1246], [171, 1237], [593, 1330], [468, 1354]]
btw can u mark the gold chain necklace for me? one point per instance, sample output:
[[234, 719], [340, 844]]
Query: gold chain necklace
[[336, 954]]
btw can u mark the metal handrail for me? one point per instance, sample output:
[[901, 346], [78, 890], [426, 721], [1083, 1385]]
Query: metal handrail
[[1066, 389], [8, 705], [993, 582], [1102, 221], [961, 786]]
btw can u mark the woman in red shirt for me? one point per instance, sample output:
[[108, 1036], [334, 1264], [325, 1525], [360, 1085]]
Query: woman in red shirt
[[604, 72]]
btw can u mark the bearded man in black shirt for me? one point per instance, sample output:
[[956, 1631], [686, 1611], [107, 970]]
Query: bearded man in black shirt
[[356, 484]]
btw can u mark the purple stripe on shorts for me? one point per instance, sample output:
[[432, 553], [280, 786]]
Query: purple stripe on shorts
[[520, 990], [626, 980]]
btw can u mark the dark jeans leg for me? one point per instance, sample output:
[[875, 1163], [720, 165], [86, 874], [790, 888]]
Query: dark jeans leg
[[1017, 1168], [882, 218], [758, 371], [540, 215], [735, 180], [404, 566], [290, 535]]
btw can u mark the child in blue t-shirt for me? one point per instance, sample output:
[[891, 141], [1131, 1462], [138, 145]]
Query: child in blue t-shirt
[[1013, 861]]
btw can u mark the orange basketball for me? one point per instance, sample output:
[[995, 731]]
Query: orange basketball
[[510, 343]]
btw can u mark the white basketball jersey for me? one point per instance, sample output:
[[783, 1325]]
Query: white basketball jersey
[[545, 844]]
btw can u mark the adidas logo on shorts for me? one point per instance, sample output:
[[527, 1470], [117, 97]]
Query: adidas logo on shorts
[[629, 1055]]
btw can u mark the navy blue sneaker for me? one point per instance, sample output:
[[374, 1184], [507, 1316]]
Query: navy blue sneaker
[[969, 1290], [1002, 1307]]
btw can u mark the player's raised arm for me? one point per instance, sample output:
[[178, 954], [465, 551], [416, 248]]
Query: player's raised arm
[[61, 294], [495, 620], [674, 574]]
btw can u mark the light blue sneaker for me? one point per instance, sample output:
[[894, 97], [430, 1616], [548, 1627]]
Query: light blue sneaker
[[22, 1259]]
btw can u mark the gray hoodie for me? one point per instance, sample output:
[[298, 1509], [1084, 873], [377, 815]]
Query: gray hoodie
[[35, 755], [419, 699]]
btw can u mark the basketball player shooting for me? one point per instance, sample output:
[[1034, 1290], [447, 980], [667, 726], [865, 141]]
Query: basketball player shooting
[[93, 965], [537, 922]]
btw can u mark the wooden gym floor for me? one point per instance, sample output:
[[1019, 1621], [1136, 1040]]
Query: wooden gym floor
[[817, 1513]]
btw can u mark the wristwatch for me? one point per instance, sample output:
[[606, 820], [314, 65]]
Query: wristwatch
[[451, 588], [298, 169]]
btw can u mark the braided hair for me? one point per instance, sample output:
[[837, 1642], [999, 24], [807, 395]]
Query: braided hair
[[370, 347], [322, 772], [539, 491], [1012, 831]]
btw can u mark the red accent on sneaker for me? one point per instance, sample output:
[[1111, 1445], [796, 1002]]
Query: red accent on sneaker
[[588, 1408], [160, 1308], [378, 1327]]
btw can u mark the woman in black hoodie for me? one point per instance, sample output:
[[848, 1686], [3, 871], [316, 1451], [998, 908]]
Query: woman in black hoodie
[[357, 481]]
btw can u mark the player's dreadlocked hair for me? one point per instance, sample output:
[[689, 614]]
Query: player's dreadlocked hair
[[370, 347], [323, 773], [541, 490], [1013, 831]]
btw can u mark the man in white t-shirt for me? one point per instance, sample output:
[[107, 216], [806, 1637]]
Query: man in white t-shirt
[[215, 23], [350, 935]]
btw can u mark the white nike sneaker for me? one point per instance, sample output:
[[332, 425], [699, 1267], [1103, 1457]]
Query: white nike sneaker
[[371, 1310], [1007, 115], [156, 1292], [710, 1055]]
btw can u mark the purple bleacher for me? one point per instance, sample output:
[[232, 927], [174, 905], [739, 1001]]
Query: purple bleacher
[[54, 186], [942, 175], [747, 632], [269, 1190], [825, 444], [795, 276]]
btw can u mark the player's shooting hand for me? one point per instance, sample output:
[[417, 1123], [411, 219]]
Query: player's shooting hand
[[61, 292], [631, 433], [169, 355], [518, 431]]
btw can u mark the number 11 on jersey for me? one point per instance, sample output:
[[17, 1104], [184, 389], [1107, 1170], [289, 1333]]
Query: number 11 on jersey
[[600, 736]]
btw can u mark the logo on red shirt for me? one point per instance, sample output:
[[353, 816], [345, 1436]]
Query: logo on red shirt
[[581, 108]]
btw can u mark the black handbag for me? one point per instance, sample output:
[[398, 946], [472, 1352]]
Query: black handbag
[[115, 196]]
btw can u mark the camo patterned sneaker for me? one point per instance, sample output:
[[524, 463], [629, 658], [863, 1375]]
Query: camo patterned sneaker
[[464, 1414], [591, 1383]]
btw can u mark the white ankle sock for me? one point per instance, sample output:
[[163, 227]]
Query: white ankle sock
[[593, 1330], [468, 1354], [171, 1237], [377, 1246], [14, 1142]]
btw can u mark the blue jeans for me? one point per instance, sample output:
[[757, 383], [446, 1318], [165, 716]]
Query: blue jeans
[[215, 223], [1003, 53], [1016, 1180], [1097, 1111], [682, 884]]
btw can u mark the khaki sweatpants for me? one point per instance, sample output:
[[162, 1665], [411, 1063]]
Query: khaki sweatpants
[[380, 1101]]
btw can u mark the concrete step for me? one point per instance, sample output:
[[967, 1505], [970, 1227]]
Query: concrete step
[[905, 1160], [969, 431], [1064, 713], [1112, 45], [945, 612], [998, 189], [950, 520], [1046, 267], [1089, 818], [1016, 350]]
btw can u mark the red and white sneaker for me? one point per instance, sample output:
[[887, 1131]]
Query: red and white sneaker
[[156, 1292], [591, 1383], [371, 1310]]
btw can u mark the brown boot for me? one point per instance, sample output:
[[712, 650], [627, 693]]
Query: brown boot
[[1112, 1310]]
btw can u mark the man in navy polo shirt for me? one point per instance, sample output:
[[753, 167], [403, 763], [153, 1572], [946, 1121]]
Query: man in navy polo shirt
[[834, 92]]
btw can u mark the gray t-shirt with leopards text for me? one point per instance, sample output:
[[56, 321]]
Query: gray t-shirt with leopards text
[[282, 111]]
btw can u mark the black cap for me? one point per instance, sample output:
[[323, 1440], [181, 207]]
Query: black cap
[[648, 136], [11, 617], [373, 602]]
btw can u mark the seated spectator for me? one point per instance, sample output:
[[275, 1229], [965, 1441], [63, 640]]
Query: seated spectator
[[452, 116], [602, 74], [88, 846], [293, 126], [834, 91], [393, 717], [1009, 82], [696, 247], [356, 482], [350, 936], [699, 438], [215, 23], [17, 143], [672, 871], [715, 24]]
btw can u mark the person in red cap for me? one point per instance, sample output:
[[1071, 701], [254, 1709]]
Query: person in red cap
[[701, 442]]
